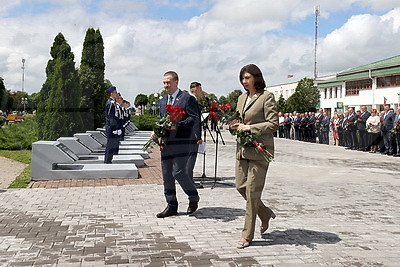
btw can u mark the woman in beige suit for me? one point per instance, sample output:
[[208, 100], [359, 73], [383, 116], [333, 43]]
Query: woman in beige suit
[[258, 112]]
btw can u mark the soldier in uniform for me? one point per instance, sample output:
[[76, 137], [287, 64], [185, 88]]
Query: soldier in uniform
[[113, 130], [121, 115], [126, 104]]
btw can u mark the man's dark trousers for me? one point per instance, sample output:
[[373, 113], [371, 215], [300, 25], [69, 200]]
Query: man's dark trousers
[[174, 158], [112, 148]]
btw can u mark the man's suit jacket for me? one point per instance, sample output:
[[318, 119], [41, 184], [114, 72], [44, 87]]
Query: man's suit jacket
[[352, 121], [361, 124], [184, 133], [262, 116], [388, 121]]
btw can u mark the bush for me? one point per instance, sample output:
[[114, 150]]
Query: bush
[[20, 135], [2, 120], [144, 122]]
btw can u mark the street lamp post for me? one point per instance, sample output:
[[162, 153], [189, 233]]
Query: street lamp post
[[23, 73]]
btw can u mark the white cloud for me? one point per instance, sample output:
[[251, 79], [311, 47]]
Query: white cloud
[[210, 48], [363, 39]]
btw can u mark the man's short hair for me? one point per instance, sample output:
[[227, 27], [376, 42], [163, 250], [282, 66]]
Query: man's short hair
[[173, 74], [194, 85]]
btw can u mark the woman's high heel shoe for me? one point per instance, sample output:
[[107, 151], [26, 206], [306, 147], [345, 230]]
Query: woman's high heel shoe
[[265, 227]]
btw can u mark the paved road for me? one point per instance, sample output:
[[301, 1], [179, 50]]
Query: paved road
[[333, 206]]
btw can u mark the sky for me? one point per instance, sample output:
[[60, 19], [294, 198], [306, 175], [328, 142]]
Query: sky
[[208, 41]]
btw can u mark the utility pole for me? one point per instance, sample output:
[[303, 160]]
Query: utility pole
[[317, 12], [23, 73]]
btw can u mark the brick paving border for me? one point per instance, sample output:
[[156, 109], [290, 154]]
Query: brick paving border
[[149, 174]]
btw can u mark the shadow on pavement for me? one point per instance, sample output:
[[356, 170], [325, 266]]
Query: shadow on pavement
[[211, 182], [298, 237], [219, 213], [2, 191]]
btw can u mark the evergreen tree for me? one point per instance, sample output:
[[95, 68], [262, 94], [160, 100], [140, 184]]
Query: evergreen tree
[[3, 95], [305, 98], [91, 76], [281, 104], [58, 111]]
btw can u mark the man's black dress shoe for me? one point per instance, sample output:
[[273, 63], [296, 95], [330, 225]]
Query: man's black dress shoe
[[166, 213], [192, 207], [396, 155]]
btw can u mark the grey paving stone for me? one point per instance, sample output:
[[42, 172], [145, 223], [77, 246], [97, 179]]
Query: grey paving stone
[[333, 206]]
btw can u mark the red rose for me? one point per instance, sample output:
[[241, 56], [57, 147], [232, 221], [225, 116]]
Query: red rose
[[213, 115], [168, 108]]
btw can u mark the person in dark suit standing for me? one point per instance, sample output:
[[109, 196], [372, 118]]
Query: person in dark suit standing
[[352, 129], [387, 126], [178, 143], [361, 125], [318, 122], [396, 127], [196, 91], [287, 125], [311, 127], [325, 128], [113, 129]]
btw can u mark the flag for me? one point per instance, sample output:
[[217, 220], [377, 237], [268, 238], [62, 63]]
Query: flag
[[290, 76], [384, 100]]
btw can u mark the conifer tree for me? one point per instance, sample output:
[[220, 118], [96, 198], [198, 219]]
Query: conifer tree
[[91, 75], [58, 111], [3, 95]]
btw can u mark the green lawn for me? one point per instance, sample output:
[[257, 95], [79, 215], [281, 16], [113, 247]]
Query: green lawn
[[24, 156]]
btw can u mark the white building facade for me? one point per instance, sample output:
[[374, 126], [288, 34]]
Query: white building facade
[[373, 85]]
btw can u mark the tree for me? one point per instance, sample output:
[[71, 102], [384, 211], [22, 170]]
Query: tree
[[305, 98], [3, 95], [233, 97], [281, 104], [91, 77], [61, 91], [141, 100]]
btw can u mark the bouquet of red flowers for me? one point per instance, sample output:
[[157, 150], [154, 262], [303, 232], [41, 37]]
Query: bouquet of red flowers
[[245, 138], [396, 128], [223, 113], [173, 116]]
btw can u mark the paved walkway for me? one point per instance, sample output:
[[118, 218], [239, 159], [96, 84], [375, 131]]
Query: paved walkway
[[334, 207], [9, 170]]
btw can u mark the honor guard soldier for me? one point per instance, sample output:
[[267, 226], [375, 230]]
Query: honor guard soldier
[[127, 114], [113, 129], [121, 112]]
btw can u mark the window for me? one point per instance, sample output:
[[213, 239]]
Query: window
[[336, 92], [330, 92], [326, 93], [388, 81], [354, 87]]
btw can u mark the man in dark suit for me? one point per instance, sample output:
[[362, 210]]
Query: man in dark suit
[[311, 127], [387, 126], [352, 129], [175, 153], [197, 92], [361, 125], [318, 122], [287, 125], [325, 128], [396, 128], [113, 129]]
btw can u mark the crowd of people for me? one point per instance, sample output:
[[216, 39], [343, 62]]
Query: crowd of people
[[363, 130]]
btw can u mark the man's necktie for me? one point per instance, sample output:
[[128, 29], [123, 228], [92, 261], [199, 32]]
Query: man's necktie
[[170, 99]]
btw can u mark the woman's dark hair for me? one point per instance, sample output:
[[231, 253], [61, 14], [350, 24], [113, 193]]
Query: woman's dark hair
[[259, 83]]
